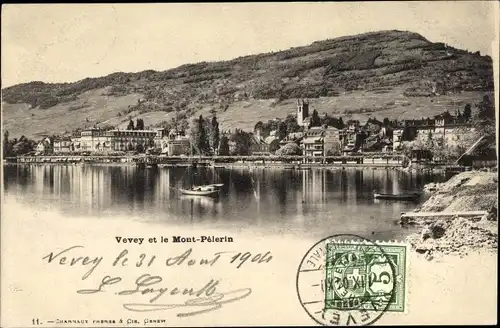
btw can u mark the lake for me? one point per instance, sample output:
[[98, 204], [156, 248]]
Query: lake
[[312, 203]]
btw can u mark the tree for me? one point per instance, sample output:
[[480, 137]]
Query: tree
[[258, 126], [182, 125], [467, 115], [429, 142], [224, 146], [130, 125], [139, 148], [340, 124], [242, 142], [6, 145], [291, 124], [214, 135], [202, 141], [485, 120], [440, 149], [389, 132], [274, 146], [281, 131], [290, 149], [386, 122], [315, 119], [130, 147], [21, 147], [139, 124], [485, 109]]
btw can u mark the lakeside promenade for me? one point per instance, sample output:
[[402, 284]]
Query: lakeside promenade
[[371, 160], [375, 158]]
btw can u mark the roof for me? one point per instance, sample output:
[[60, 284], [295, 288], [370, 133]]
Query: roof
[[310, 140], [125, 130], [258, 139], [295, 134], [62, 140], [314, 131], [270, 139]]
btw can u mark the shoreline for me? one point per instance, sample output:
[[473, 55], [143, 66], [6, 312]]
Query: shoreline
[[283, 166], [448, 235]]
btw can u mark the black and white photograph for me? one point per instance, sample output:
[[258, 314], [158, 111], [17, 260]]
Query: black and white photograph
[[249, 164]]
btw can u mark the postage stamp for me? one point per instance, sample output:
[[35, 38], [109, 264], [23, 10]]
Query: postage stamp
[[350, 280]]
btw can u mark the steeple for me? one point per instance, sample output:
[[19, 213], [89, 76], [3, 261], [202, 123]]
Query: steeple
[[302, 111]]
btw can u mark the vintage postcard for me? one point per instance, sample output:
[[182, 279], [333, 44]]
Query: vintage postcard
[[249, 164]]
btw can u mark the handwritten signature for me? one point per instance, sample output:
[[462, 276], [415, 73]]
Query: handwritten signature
[[206, 299]]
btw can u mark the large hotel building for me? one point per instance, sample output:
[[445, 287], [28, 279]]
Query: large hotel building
[[97, 140]]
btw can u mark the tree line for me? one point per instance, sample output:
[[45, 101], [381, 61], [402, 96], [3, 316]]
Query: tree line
[[16, 147]]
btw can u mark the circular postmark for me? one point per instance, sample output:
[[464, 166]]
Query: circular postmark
[[346, 280]]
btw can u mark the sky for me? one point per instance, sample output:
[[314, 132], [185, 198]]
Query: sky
[[66, 43]]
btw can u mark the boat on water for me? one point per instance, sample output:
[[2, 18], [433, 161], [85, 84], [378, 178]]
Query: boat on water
[[216, 186], [402, 196], [200, 192]]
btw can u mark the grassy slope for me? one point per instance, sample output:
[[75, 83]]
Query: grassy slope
[[244, 114], [356, 76], [62, 118]]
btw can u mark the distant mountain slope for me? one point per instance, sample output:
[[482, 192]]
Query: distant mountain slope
[[378, 73]]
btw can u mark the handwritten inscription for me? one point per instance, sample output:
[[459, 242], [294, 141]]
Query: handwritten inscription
[[202, 300], [190, 300], [63, 259]]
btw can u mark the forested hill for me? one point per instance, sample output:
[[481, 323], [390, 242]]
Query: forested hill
[[362, 74]]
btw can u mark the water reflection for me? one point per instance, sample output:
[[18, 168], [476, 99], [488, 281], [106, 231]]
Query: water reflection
[[306, 201]]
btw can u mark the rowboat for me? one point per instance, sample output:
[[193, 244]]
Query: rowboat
[[200, 192], [405, 196]]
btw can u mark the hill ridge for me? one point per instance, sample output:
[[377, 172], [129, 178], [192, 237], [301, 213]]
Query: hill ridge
[[397, 65]]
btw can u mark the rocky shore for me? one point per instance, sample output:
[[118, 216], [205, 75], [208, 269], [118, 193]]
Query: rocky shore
[[456, 235]]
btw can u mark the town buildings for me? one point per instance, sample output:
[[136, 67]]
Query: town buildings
[[175, 145], [95, 140], [264, 146], [295, 137], [44, 146], [63, 146], [313, 142], [444, 130], [333, 141], [98, 140]]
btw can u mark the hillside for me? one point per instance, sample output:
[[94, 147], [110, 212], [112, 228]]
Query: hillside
[[383, 74]]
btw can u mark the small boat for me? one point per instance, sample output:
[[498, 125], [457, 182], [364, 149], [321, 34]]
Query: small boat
[[200, 192], [216, 186], [405, 196]]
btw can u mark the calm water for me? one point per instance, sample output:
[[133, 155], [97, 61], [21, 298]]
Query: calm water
[[315, 203]]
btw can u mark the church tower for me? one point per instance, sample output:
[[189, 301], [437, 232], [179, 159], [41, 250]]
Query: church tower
[[302, 111]]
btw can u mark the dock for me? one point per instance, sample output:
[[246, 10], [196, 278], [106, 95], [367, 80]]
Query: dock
[[442, 214]]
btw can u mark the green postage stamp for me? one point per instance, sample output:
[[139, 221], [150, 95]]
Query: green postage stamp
[[365, 276]]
